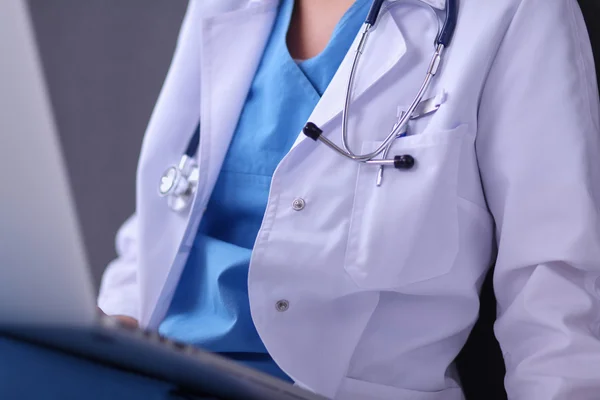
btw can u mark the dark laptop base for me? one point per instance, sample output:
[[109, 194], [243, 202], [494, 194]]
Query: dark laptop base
[[177, 371]]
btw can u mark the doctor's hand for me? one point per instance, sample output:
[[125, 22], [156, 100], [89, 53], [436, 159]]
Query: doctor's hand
[[127, 322]]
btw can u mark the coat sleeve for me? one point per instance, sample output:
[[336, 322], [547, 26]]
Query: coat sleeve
[[119, 291], [538, 149]]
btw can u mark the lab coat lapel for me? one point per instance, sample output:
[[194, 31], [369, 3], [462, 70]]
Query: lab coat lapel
[[230, 46], [173, 120], [233, 44], [385, 48]]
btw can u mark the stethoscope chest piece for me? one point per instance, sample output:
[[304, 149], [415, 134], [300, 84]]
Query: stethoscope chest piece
[[179, 184]]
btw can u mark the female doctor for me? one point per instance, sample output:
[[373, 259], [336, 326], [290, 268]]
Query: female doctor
[[350, 277]]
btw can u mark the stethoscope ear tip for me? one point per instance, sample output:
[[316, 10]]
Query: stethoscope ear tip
[[312, 131], [404, 162]]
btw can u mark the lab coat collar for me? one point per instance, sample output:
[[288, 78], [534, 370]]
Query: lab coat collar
[[232, 47], [242, 34], [247, 43]]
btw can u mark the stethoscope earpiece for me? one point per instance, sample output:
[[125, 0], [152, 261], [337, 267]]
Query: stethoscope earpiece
[[404, 162]]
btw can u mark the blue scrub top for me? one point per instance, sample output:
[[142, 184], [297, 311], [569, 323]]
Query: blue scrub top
[[210, 308]]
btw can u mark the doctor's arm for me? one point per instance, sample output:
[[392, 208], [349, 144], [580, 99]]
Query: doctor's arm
[[538, 148], [119, 291]]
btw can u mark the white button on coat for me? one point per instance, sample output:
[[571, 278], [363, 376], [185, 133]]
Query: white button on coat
[[298, 204], [385, 280], [282, 305]]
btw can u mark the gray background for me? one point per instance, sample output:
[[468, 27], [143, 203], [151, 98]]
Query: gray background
[[104, 61]]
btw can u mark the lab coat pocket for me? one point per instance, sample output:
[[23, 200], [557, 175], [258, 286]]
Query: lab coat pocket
[[406, 230]]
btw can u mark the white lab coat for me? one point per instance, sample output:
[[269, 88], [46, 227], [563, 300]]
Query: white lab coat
[[382, 283]]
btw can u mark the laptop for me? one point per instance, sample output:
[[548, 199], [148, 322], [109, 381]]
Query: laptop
[[46, 291]]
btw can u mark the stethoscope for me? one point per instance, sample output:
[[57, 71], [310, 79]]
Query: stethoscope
[[179, 182]]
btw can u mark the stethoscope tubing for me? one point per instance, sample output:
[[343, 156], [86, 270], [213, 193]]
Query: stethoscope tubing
[[443, 39]]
